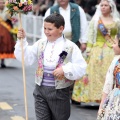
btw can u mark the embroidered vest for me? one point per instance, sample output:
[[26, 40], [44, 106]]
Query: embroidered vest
[[59, 84], [74, 19]]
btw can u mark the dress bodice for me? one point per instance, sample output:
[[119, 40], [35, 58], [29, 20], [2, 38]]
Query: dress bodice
[[113, 31]]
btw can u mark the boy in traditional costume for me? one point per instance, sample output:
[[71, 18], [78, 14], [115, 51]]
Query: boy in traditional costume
[[60, 62]]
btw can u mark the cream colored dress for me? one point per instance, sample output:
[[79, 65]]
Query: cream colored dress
[[101, 55]]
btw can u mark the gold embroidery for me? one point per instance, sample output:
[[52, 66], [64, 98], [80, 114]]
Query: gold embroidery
[[39, 72]]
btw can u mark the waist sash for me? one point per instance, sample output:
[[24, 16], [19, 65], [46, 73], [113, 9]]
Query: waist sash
[[48, 77]]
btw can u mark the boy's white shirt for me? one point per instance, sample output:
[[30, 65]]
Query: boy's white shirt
[[108, 86], [76, 66]]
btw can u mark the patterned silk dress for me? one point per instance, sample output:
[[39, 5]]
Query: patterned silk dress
[[101, 55]]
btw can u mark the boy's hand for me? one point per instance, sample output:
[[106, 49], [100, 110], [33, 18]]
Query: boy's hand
[[60, 78], [21, 33], [58, 73]]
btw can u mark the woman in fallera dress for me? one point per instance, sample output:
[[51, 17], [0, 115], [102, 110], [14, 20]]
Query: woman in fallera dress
[[6, 38], [109, 108], [102, 29]]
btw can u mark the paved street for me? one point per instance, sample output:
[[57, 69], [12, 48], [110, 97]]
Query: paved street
[[12, 95]]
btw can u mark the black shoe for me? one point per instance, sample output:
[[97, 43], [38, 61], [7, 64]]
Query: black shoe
[[75, 102], [3, 66]]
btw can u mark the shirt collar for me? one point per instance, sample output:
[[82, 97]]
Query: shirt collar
[[61, 38]]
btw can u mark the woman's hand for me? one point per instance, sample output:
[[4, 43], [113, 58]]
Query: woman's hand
[[21, 34]]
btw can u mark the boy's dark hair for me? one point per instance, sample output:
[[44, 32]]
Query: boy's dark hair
[[118, 37], [55, 18]]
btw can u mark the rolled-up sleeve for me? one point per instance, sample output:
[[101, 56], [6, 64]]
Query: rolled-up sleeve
[[76, 68]]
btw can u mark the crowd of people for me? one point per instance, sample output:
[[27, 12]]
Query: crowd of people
[[77, 70], [89, 6]]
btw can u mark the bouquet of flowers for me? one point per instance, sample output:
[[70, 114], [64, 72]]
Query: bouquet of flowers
[[18, 6]]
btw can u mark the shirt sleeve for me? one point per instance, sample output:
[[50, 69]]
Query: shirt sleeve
[[77, 67], [30, 52], [83, 28], [90, 36]]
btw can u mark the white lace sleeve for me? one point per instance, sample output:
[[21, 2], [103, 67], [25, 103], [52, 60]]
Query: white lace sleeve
[[108, 86], [109, 81]]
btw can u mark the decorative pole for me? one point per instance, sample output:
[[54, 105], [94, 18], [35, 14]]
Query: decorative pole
[[20, 7], [23, 70]]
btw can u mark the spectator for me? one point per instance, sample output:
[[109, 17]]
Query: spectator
[[90, 6], [6, 39], [40, 7], [75, 27], [82, 4], [118, 5]]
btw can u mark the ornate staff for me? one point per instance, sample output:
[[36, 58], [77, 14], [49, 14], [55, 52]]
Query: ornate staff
[[20, 7]]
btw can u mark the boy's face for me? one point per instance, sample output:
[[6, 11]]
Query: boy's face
[[52, 33], [116, 47]]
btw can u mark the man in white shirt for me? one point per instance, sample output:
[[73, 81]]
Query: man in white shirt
[[71, 11]]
